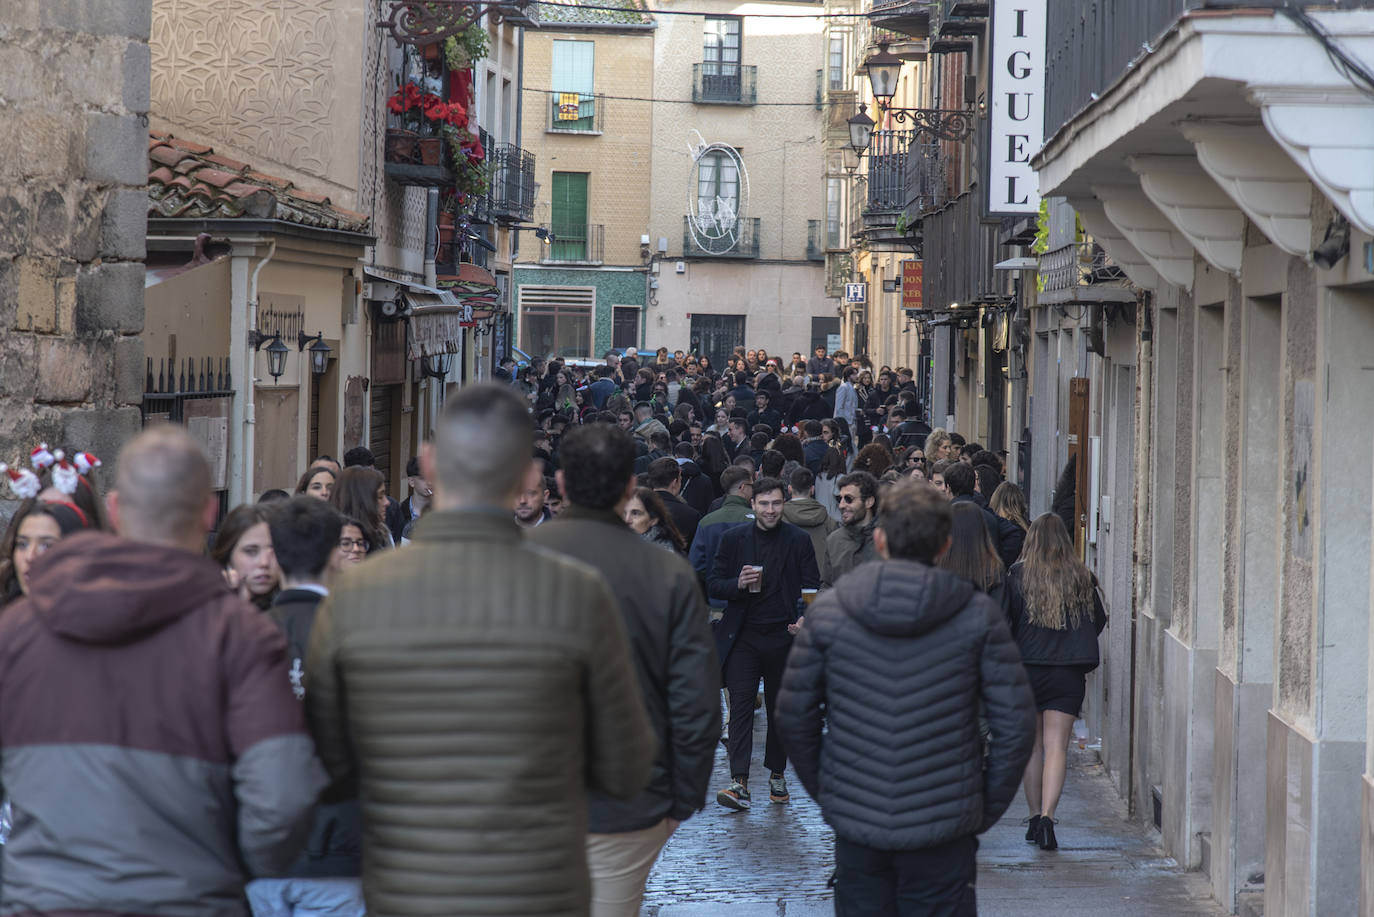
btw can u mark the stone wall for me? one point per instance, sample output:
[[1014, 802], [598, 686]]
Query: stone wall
[[73, 165]]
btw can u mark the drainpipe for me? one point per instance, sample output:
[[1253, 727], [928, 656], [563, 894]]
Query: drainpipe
[[249, 383], [1140, 594], [431, 235]]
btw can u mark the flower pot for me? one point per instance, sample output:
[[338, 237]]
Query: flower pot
[[445, 234], [403, 146]]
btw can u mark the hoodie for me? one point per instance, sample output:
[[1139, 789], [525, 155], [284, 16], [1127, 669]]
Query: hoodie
[[808, 514], [133, 666], [895, 662]]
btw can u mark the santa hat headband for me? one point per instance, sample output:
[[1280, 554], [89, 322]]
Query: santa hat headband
[[23, 483]]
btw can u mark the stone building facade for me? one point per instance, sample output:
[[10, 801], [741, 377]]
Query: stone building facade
[[72, 223], [585, 290]]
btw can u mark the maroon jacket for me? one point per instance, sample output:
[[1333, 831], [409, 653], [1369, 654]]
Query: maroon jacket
[[150, 745]]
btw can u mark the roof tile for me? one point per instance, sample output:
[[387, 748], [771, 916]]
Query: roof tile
[[188, 146], [233, 165], [188, 179]]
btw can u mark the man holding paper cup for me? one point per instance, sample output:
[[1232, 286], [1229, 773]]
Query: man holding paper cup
[[761, 569]]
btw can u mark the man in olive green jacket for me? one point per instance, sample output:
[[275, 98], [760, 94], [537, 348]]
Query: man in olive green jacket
[[475, 688]]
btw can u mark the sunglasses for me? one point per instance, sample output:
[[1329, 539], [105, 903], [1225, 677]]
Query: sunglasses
[[847, 498]]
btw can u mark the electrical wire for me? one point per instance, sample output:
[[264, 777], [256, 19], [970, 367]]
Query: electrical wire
[[649, 12], [810, 104], [1353, 70]]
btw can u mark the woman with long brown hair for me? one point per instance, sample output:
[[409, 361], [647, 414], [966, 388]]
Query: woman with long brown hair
[[972, 555], [360, 493], [1056, 615], [243, 549], [646, 514]]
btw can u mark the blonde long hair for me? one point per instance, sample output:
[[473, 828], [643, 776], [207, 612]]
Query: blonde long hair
[[1009, 502], [1057, 588]]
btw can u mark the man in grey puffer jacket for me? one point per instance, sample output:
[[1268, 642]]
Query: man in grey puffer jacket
[[896, 660]]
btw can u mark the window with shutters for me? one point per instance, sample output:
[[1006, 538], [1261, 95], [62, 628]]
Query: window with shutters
[[717, 190], [556, 321], [835, 59], [568, 204], [574, 102]]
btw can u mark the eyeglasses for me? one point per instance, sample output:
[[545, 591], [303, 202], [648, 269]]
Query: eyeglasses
[[353, 544], [849, 498]]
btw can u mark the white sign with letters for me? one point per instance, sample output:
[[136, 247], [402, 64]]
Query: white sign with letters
[[1017, 90], [856, 293]]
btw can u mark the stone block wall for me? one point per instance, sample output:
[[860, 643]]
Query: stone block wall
[[73, 221]]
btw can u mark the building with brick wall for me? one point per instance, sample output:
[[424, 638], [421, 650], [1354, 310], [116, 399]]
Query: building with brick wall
[[738, 189], [72, 157], [582, 282]]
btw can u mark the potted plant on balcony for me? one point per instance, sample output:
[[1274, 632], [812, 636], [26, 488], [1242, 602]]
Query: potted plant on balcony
[[427, 121]]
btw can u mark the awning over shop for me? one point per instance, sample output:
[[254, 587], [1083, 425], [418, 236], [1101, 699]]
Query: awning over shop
[[436, 319], [1233, 114]]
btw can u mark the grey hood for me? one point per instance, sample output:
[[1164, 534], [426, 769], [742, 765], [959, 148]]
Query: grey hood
[[901, 598]]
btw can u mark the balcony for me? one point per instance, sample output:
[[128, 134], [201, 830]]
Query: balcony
[[574, 244], [511, 195], [715, 83], [926, 185], [708, 238], [815, 241], [951, 33], [575, 113], [1067, 271], [887, 184], [839, 270], [418, 159], [908, 17]]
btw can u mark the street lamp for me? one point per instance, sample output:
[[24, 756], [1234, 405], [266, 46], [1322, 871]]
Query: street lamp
[[437, 365], [860, 130], [319, 351], [276, 357], [884, 69]]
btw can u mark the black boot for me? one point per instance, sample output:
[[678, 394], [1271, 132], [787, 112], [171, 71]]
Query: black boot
[[1046, 838], [1033, 831]]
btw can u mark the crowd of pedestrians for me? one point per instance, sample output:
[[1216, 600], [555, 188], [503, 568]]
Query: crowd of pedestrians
[[504, 693]]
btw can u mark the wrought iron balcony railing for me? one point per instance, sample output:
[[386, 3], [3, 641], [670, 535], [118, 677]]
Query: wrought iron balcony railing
[[909, 17], [926, 185], [1079, 264], [815, 241], [575, 113], [716, 83], [710, 238], [511, 195], [887, 168], [582, 243]]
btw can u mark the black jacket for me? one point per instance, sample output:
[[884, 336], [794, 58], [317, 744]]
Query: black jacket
[[894, 663], [697, 491], [684, 517], [1076, 647], [737, 548], [670, 643], [1007, 536], [335, 849], [767, 416]]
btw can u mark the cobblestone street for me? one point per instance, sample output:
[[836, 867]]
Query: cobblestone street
[[775, 860]]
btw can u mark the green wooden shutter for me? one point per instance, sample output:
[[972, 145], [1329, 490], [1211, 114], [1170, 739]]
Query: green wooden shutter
[[569, 209]]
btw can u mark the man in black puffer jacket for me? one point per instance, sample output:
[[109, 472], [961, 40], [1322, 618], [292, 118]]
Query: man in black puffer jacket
[[896, 661]]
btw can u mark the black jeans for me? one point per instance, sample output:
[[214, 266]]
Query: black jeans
[[758, 652], [931, 882]]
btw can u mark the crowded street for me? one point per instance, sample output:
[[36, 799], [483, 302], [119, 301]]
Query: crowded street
[[686, 458]]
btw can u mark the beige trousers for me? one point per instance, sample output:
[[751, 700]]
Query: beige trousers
[[620, 864]]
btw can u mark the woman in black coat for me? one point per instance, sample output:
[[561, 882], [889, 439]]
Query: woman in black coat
[[1056, 615]]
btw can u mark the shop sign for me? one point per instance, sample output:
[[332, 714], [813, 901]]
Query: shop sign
[[1017, 92], [912, 274]]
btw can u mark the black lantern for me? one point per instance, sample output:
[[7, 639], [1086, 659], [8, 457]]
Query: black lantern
[[437, 365], [319, 351], [860, 130], [276, 357], [883, 70]]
